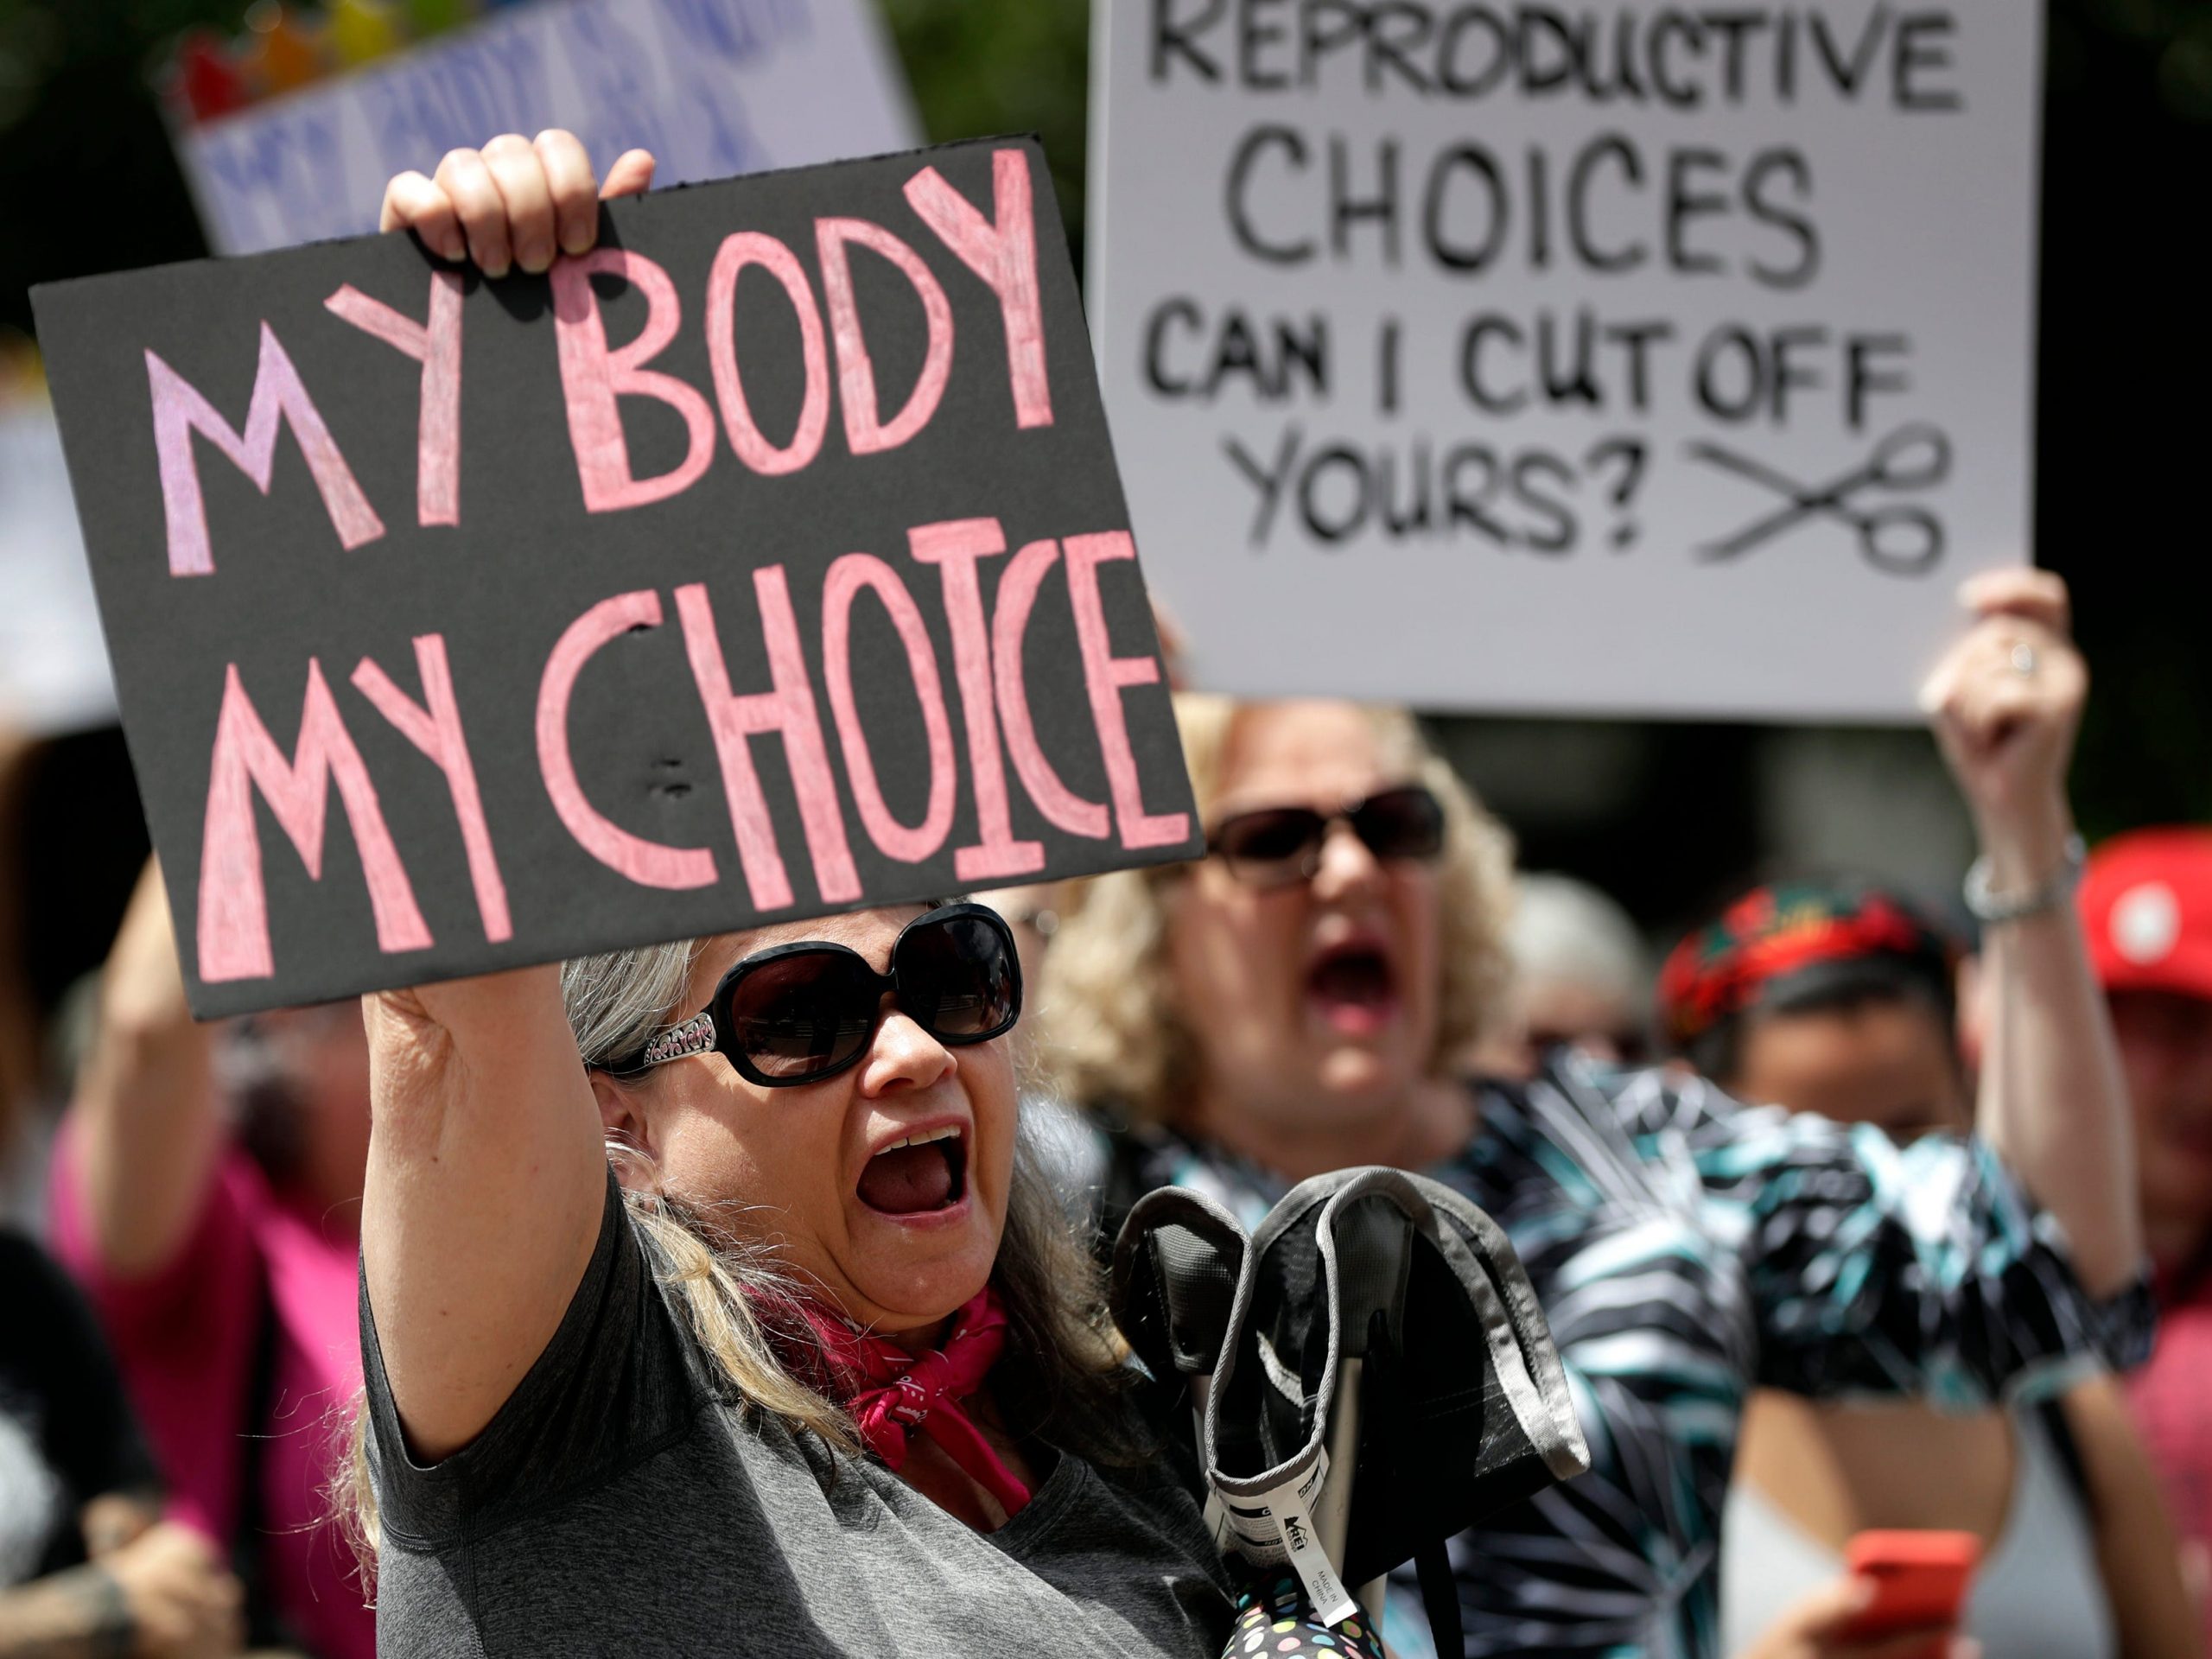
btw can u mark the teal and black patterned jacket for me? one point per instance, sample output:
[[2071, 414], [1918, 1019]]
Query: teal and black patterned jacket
[[1686, 1250]]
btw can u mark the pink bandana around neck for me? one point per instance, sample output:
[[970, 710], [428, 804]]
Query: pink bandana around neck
[[890, 1392]]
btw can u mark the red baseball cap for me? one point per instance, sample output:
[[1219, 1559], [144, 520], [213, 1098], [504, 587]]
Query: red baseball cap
[[2146, 907]]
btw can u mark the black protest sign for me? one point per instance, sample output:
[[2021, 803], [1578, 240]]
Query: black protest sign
[[767, 561]]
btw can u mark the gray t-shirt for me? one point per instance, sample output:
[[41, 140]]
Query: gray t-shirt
[[617, 1506]]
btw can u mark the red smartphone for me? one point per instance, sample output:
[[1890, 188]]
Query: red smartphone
[[1920, 1579]]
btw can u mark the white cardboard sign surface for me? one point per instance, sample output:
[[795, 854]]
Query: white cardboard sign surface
[[712, 87], [1608, 358], [53, 672]]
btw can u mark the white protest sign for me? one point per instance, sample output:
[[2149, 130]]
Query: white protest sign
[[54, 673], [712, 87], [1618, 358]]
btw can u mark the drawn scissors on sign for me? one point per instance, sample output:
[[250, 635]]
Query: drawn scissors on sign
[[1906, 540]]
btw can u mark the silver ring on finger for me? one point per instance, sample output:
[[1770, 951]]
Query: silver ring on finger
[[2024, 661]]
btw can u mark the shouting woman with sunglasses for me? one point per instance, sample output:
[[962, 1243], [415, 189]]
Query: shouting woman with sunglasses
[[712, 1303], [1294, 1004], [817, 1154], [815, 1143]]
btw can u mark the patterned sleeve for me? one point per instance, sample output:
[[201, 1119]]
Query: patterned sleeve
[[1877, 1269]]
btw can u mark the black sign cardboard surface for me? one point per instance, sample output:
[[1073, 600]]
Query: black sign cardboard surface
[[768, 561]]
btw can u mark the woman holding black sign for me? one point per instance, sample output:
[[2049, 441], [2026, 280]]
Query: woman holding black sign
[[569, 1459], [1294, 1003], [557, 1458], [711, 1301]]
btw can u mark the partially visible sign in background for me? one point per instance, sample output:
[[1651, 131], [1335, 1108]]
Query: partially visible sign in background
[[712, 87], [53, 675], [1616, 359]]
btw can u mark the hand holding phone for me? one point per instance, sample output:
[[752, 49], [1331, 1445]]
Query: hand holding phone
[[1920, 1581], [1826, 1625]]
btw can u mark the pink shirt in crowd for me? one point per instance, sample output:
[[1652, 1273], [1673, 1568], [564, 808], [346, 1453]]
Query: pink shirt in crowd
[[186, 1337], [2172, 1399]]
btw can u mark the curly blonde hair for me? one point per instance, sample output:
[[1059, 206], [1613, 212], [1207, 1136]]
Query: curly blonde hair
[[1110, 1019]]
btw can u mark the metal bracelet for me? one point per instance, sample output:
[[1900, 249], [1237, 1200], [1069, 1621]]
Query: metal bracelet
[[1992, 909]]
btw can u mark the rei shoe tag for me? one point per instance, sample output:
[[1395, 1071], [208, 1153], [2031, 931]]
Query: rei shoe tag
[[1277, 1527]]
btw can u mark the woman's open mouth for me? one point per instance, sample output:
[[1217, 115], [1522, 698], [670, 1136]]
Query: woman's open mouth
[[1353, 988], [924, 1173]]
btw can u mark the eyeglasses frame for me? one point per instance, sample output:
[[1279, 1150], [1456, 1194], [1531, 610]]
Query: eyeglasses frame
[[701, 1033], [1309, 865]]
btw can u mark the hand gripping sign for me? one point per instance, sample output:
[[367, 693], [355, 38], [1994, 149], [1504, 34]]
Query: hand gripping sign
[[768, 560]]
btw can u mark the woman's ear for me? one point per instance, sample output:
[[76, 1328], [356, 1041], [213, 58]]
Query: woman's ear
[[622, 1116]]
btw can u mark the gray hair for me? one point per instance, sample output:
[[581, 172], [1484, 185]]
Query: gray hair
[[1566, 929], [619, 1001]]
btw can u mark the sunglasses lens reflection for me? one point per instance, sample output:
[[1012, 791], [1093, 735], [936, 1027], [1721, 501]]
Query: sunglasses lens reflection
[[1402, 823], [957, 978], [1269, 843], [804, 1015]]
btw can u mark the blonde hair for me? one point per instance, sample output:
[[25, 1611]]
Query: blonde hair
[[1112, 1034], [1062, 1370]]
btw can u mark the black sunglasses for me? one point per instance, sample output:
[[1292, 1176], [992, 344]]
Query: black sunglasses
[[1278, 846], [800, 1013]]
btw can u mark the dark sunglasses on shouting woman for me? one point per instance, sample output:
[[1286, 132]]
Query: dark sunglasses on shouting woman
[[800, 1013], [1279, 846]]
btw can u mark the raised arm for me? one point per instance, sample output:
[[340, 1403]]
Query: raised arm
[[2137, 1553], [484, 1187], [2006, 705], [486, 1177], [146, 1119]]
